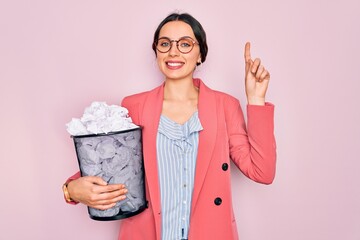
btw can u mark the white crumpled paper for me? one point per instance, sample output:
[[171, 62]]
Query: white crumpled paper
[[100, 118]]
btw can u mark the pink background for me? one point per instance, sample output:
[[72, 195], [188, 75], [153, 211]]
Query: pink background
[[56, 57]]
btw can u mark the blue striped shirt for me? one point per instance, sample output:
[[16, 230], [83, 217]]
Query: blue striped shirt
[[177, 147]]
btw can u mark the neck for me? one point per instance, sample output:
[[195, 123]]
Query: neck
[[180, 90]]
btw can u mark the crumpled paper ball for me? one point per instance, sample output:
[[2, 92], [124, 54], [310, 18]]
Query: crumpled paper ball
[[100, 118]]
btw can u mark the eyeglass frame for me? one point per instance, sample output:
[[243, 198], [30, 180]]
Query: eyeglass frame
[[177, 44]]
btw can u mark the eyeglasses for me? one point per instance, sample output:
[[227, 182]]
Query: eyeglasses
[[184, 44]]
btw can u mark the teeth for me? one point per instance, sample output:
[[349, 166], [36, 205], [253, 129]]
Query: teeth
[[173, 64]]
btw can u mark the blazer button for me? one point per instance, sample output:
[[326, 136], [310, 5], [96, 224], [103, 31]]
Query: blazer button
[[217, 201], [225, 166]]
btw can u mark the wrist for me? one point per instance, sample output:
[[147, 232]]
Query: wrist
[[260, 101]]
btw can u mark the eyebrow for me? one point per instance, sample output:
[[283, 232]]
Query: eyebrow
[[178, 38]]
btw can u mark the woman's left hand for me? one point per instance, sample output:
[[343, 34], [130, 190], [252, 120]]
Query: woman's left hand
[[256, 79]]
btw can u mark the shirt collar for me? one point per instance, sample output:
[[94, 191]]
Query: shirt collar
[[176, 131]]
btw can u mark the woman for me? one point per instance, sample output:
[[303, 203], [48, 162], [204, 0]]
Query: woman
[[189, 133]]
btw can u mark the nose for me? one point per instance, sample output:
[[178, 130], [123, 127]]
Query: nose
[[174, 51]]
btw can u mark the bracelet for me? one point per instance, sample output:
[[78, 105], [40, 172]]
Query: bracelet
[[66, 193]]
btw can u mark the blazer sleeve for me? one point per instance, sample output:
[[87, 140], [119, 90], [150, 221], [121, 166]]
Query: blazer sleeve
[[252, 149], [73, 177], [134, 105]]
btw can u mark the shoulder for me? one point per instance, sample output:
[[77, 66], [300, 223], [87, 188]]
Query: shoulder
[[138, 98], [134, 99], [221, 97], [226, 99], [225, 96]]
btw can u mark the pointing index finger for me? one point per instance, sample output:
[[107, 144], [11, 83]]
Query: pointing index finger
[[247, 54]]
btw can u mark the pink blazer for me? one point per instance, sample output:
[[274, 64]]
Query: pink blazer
[[224, 136]]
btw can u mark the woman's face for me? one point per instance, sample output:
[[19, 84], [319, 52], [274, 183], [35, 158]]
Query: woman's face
[[174, 64]]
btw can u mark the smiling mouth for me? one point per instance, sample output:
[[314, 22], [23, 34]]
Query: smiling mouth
[[174, 64]]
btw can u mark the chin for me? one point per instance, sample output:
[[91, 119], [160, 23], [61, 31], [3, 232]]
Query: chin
[[176, 76]]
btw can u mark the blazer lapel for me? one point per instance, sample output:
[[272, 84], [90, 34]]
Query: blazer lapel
[[207, 137], [150, 121]]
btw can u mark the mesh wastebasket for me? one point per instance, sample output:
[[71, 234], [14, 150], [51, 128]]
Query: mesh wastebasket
[[116, 157]]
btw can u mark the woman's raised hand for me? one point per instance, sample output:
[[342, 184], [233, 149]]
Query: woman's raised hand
[[95, 192], [256, 79]]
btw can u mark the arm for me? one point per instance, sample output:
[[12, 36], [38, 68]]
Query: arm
[[94, 191], [253, 150]]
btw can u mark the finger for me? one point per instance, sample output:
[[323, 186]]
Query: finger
[[111, 195], [116, 199], [248, 65], [114, 187], [97, 180], [259, 71], [265, 75], [115, 193], [103, 207], [108, 199], [255, 65], [247, 54], [111, 188]]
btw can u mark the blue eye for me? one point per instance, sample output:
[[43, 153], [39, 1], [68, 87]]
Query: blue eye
[[185, 44]]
